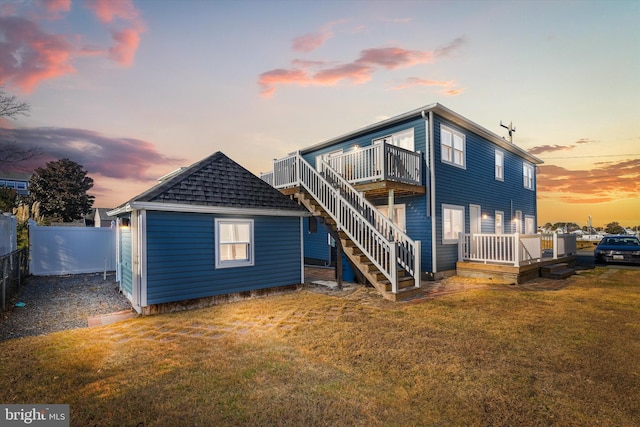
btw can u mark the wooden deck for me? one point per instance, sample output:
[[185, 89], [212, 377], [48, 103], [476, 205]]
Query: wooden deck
[[509, 273]]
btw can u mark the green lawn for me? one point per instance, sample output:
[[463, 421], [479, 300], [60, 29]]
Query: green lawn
[[490, 357]]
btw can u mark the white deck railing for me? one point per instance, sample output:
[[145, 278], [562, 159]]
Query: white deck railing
[[386, 245], [267, 177], [379, 162], [515, 249]]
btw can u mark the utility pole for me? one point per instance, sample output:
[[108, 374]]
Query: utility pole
[[511, 130]]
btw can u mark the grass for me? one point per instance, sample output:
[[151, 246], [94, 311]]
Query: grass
[[489, 357]]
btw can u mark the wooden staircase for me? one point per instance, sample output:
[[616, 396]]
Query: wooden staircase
[[376, 278]]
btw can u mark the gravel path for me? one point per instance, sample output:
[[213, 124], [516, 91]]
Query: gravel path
[[56, 303]]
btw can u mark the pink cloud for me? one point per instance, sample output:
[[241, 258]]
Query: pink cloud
[[448, 86], [108, 10], [127, 42], [358, 71], [311, 41], [609, 181], [56, 7], [393, 57], [30, 55], [271, 78]]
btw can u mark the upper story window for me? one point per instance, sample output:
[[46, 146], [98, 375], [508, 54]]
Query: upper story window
[[403, 139], [234, 243], [452, 145], [499, 165], [527, 174]]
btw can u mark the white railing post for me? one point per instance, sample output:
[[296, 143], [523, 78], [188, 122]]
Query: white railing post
[[555, 245], [393, 265], [516, 249], [461, 254], [417, 267]]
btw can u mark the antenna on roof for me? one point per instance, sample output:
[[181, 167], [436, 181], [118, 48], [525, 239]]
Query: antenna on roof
[[511, 130]]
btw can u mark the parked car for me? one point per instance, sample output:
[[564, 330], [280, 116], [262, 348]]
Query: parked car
[[618, 249]]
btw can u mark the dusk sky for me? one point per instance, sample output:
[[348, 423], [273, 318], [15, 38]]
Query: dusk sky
[[135, 89]]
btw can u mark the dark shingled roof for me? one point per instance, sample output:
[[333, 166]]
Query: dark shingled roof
[[221, 182]]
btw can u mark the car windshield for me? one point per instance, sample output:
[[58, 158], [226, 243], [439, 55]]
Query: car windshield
[[622, 241]]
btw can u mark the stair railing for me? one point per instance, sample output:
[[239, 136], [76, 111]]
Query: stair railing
[[384, 243]]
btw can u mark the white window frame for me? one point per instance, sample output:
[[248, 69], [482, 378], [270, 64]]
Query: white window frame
[[527, 175], [399, 217], [251, 250], [449, 229], [499, 223], [450, 154], [399, 139], [499, 165]]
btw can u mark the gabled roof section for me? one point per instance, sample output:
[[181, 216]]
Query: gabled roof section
[[214, 182], [440, 110]]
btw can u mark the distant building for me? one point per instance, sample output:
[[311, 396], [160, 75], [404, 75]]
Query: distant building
[[98, 218], [18, 181]]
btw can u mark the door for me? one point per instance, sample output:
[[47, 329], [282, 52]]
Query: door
[[475, 219]]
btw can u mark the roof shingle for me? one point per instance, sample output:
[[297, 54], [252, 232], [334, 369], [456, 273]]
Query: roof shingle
[[218, 181]]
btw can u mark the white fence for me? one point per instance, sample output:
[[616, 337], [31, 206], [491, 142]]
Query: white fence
[[71, 250], [515, 249], [8, 234]]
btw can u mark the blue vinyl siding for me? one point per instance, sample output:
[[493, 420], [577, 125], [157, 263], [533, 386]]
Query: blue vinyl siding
[[418, 223], [125, 260], [367, 139], [316, 245], [181, 261], [477, 185]]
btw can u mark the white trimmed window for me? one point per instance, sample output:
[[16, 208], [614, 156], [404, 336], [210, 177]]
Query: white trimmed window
[[452, 147], [452, 223], [499, 165], [527, 174], [399, 215], [234, 243], [403, 139]]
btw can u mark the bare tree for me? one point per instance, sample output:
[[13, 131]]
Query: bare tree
[[10, 153]]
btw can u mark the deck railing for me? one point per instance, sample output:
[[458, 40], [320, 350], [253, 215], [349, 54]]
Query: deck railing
[[379, 162], [267, 177], [386, 245], [515, 249]]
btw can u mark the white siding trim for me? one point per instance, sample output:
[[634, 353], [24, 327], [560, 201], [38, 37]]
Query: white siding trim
[[143, 258]]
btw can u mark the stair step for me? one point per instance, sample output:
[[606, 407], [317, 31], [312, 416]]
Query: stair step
[[557, 266], [557, 271], [403, 283], [559, 274]]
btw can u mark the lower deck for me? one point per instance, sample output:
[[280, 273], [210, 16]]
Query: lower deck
[[510, 273]]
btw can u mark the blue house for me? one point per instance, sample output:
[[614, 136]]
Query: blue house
[[208, 233], [413, 195]]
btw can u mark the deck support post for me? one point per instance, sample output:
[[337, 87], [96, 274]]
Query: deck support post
[[339, 263], [391, 204]]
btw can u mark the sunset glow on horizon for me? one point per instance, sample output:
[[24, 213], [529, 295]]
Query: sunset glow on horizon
[[135, 89]]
